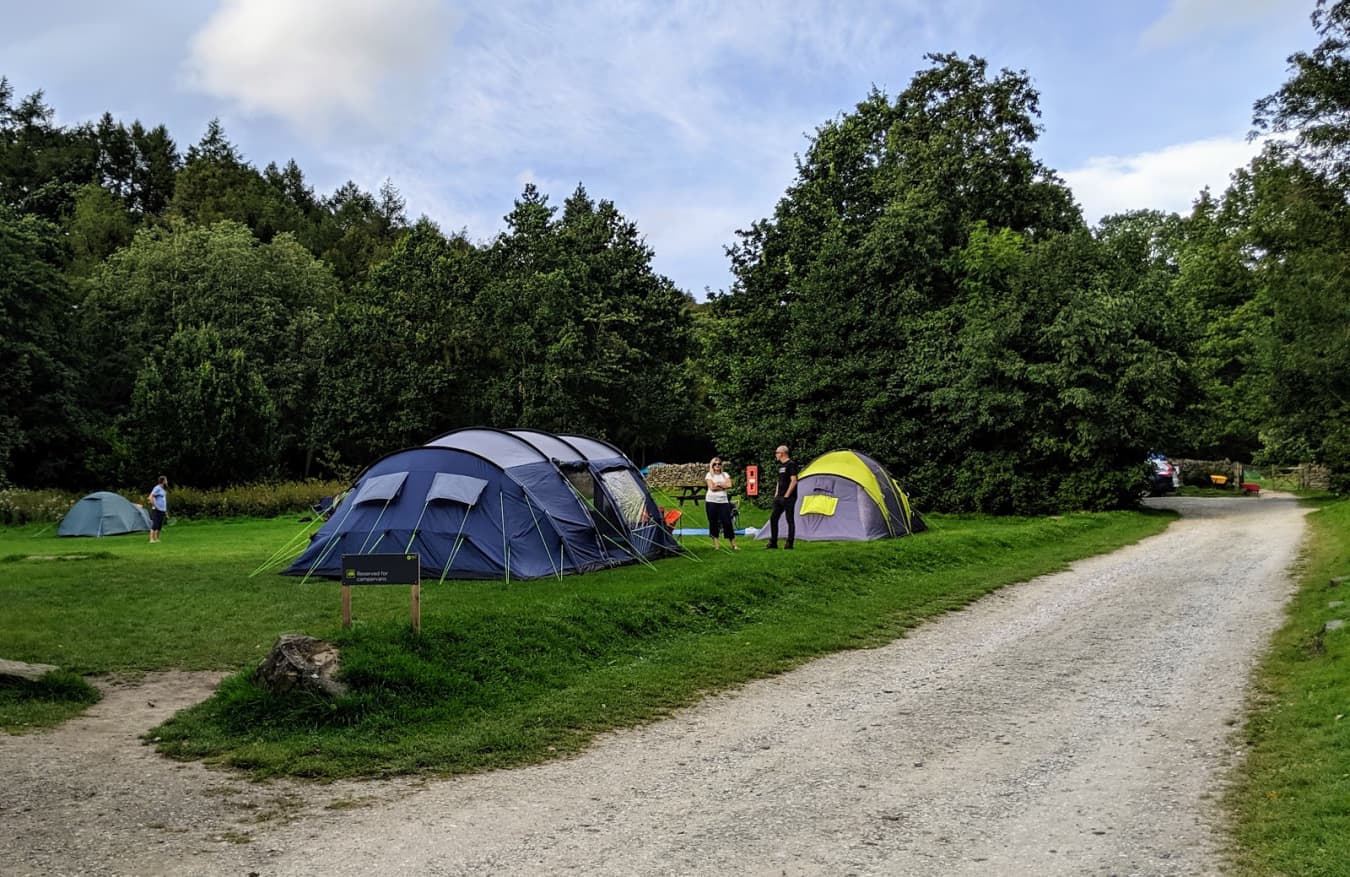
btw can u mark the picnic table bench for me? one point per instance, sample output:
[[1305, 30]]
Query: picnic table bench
[[693, 493], [688, 492]]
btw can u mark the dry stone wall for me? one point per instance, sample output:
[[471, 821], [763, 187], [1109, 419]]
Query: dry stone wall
[[671, 475], [1197, 472]]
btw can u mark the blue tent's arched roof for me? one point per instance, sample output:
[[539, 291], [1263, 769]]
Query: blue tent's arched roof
[[548, 444], [592, 449], [502, 448]]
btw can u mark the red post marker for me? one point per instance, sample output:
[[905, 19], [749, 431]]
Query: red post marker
[[752, 481]]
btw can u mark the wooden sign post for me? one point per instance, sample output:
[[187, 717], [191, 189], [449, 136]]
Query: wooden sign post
[[382, 569]]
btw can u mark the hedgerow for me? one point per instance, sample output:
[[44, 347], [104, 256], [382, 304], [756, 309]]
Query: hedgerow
[[18, 507]]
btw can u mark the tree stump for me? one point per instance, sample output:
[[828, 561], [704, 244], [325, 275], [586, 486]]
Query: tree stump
[[299, 663]]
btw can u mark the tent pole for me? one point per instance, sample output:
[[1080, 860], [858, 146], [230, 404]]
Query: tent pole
[[280, 552], [562, 545], [581, 501], [415, 526], [374, 525], [506, 543], [332, 540], [631, 551], [454, 546], [679, 548], [556, 571]]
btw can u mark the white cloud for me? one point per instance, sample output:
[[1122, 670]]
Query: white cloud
[[315, 63], [1167, 179], [1185, 19], [600, 80], [686, 113]]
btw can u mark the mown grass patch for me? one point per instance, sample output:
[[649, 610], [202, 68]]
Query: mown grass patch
[[1291, 805], [128, 606], [505, 675], [57, 558], [30, 704]]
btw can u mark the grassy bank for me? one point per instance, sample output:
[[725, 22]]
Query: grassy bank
[[121, 605], [1292, 804], [501, 675], [29, 704], [509, 675]]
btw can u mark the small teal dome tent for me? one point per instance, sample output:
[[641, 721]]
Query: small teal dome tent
[[487, 503], [104, 514]]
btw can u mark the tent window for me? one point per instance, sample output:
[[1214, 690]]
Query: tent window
[[631, 498], [455, 488], [819, 504], [381, 488], [582, 483]]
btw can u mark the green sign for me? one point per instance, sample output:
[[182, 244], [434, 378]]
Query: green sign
[[381, 569]]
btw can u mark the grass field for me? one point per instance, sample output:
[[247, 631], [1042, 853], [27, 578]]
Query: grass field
[[1292, 804], [501, 674]]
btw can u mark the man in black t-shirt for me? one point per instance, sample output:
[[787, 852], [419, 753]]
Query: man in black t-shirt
[[784, 497]]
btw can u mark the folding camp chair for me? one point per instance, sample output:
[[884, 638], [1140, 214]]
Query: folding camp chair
[[671, 518]]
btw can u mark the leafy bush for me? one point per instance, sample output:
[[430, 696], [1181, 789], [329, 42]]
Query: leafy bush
[[18, 507], [249, 500], [34, 506]]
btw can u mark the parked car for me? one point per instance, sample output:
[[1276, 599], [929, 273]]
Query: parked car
[[1166, 476]]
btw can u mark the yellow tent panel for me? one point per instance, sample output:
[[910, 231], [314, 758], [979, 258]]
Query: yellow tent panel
[[819, 504], [846, 464]]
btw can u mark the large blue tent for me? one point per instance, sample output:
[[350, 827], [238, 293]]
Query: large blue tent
[[488, 503]]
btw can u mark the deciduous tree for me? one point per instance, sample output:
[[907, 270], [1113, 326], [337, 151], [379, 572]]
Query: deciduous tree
[[269, 300], [201, 410], [926, 290], [40, 412], [584, 334]]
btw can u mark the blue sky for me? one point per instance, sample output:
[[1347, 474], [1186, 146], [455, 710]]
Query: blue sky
[[687, 114]]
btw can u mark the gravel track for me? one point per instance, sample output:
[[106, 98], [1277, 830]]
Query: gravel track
[[1080, 723]]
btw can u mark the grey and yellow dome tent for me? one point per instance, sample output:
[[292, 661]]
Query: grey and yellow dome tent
[[103, 514], [846, 496]]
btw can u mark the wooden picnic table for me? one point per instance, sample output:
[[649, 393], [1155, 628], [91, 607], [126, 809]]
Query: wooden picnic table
[[693, 493], [689, 492]]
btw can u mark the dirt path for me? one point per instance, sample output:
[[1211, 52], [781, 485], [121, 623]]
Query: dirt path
[[1077, 724]]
